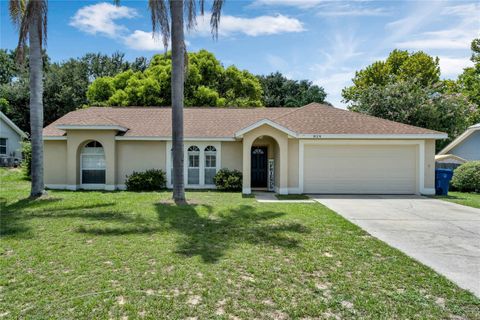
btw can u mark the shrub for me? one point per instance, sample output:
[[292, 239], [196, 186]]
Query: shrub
[[466, 178], [149, 180], [27, 158], [228, 180]]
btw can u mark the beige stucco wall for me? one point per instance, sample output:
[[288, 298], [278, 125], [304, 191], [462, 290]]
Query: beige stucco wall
[[139, 156], [232, 155], [292, 163], [55, 162], [282, 163], [430, 163], [76, 139]]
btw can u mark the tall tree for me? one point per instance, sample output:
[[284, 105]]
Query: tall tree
[[161, 16], [30, 17]]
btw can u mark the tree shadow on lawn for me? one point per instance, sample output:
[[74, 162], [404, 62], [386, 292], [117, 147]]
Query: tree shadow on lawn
[[13, 216], [210, 235]]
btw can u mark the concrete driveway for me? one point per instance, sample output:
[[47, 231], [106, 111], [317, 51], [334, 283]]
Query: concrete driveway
[[442, 235]]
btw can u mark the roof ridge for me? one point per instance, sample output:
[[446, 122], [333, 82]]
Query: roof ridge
[[386, 120], [298, 108]]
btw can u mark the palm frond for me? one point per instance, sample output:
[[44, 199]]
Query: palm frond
[[215, 18], [192, 13], [16, 9], [159, 12], [25, 12]]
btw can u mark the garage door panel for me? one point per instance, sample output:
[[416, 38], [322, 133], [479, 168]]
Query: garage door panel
[[360, 169]]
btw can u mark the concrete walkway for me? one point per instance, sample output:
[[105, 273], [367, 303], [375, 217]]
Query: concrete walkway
[[269, 197], [442, 235]]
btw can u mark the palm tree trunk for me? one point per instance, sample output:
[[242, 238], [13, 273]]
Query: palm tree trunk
[[36, 107], [178, 69]]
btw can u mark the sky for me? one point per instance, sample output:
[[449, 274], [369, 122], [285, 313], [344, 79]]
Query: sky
[[319, 40]]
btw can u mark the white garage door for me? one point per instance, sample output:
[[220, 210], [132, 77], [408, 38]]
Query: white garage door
[[360, 169]]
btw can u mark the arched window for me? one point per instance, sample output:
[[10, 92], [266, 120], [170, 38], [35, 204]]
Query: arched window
[[193, 165], [92, 163], [210, 164]]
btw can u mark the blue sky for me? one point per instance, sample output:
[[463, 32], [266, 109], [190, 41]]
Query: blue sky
[[323, 41]]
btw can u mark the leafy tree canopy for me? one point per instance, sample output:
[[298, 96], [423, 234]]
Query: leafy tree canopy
[[469, 80], [65, 83], [410, 103], [282, 92], [399, 66], [208, 83]]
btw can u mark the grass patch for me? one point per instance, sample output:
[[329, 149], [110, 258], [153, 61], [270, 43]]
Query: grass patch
[[100, 255], [464, 198], [292, 197]]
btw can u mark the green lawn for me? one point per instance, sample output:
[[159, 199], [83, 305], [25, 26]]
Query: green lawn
[[98, 255], [467, 199]]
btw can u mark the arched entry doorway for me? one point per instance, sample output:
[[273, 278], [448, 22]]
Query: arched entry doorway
[[92, 164]]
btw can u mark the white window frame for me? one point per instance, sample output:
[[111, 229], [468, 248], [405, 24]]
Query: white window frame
[[6, 147], [92, 185], [209, 153], [193, 153], [187, 144]]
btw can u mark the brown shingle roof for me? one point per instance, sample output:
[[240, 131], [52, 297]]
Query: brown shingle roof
[[224, 122]]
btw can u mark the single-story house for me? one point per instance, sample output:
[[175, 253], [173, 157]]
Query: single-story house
[[466, 147], [312, 149], [11, 138]]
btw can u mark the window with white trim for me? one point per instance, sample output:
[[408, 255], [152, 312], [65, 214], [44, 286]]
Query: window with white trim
[[210, 164], [193, 165], [92, 163], [3, 145]]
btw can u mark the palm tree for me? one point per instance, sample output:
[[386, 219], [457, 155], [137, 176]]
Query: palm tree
[[161, 18], [30, 18]]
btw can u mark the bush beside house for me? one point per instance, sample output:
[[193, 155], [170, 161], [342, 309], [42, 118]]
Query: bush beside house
[[466, 178], [150, 180], [228, 180]]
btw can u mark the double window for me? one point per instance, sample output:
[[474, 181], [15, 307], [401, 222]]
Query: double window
[[92, 163], [201, 164]]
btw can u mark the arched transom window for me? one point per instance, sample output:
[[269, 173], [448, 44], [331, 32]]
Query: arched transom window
[[193, 165], [210, 164], [92, 163]]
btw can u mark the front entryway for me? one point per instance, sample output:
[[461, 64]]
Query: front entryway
[[259, 167]]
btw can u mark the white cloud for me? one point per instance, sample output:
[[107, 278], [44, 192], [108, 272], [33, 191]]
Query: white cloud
[[304, 4], [463, 26], [343, 10], [331, 72], [100, 18], [257, 26], [141, 40], [333, 84], [451, 67], [277, 62]]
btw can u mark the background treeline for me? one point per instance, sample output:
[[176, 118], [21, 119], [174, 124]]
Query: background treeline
[[406, 87], [103, 80]]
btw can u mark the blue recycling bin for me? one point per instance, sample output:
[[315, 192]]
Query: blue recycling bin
[[442, 181]]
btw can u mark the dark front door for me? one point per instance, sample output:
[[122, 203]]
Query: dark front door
[[259, 167]]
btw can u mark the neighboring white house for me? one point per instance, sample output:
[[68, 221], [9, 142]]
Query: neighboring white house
[[465, 147], [10, 141]]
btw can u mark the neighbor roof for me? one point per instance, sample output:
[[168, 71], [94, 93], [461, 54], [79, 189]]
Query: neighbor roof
[[12, 125], [205, 122], [460, 138]]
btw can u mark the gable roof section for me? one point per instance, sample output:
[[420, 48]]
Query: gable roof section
[[229, 123], [460, 139], [12, 125]]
